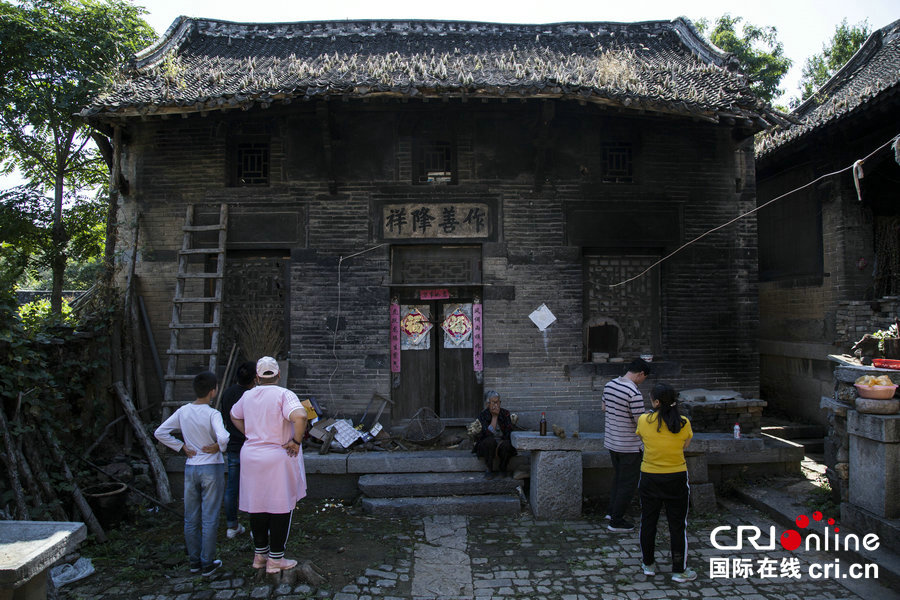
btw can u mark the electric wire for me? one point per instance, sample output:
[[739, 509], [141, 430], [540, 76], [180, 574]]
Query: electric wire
[[337, 318], [750, 212]]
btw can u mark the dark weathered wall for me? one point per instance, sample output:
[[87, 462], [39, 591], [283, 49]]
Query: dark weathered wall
[[798, 313], [339, 272]]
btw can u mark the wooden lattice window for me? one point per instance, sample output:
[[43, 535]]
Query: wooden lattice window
[[252, 163], [433, 163], [633, 308], [617, 163]]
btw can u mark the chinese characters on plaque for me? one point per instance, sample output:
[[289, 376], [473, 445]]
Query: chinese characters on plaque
[[435, 221]]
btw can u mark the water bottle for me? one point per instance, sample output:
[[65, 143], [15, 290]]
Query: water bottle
[[543, 424], [737, 431]]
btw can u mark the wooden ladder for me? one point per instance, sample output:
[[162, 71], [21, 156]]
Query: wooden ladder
[[189, 328]]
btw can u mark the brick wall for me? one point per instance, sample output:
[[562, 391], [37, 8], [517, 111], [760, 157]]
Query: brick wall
[[338, 305], [804, 319]]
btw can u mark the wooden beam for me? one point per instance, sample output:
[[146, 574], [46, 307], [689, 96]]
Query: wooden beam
[[323, 112], [542, 143]]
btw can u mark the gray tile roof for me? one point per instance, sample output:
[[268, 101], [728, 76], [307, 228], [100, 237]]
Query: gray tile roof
[[205, 64], [871, 76]]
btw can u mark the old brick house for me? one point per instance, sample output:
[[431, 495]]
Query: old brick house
[[387, 179], [829, 254]]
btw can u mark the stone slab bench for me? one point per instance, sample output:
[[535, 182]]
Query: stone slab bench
[[28, 549], [557, 465]]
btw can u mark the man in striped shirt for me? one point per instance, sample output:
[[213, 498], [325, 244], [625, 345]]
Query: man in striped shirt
[[623, 403]]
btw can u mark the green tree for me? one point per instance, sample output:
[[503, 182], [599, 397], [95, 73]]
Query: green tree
[[757, 49], [26, 228], [56, 55], [819, 68]]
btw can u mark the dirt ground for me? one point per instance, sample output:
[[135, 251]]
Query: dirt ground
[[340, 541]]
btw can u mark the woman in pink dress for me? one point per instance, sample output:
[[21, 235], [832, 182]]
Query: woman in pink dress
[[273, 478]]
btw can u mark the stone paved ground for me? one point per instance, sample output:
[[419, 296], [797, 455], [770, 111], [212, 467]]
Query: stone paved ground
[[451, 557]]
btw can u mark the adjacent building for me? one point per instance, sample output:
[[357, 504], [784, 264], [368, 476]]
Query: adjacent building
[[829, 235]]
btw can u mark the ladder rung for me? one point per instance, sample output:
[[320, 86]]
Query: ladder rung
[[202, 251], [200, 275], [205, 352], [195, 300], [175, 403], [215, 227], [180, 377], [193, 325]]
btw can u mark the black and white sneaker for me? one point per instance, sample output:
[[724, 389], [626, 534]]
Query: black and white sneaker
[[210, 569], [620, 526]]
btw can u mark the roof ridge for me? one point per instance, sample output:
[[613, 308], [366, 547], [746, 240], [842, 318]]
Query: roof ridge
[[872, 44]]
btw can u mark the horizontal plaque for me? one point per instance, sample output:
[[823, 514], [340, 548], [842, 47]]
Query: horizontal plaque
[[444, 220]]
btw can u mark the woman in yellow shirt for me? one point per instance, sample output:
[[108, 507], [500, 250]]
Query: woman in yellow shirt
[[664, 482]]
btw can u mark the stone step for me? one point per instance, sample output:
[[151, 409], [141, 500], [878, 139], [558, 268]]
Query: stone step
[[432, 461], [484, 506], [815, 445], [793, 431], [434, 484]]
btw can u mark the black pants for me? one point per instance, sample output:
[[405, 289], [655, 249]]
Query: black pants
[[627, 467], [672, 491], [270, 532], [489, 447]]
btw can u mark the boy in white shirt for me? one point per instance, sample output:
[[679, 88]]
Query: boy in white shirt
[[205, 438]]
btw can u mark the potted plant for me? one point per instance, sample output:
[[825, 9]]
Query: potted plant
[[889, 340]]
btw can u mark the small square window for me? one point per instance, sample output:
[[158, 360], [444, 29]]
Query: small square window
[[433, 163], [252, 163], [617, 163]]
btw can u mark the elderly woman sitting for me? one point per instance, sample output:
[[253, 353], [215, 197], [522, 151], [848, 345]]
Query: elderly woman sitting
[[493, 441]]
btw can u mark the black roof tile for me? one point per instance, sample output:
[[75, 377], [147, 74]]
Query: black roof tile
[[203, 64], [871, 75]]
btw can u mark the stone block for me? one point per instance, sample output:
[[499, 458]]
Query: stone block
[[698, 470], [425, 461], [531, 440], [396, 485], [882, 428], [887, 530], [457, 505], [717, 443], [332, 464], [29, 549], [874, 478], [556, 484], [703, 497]]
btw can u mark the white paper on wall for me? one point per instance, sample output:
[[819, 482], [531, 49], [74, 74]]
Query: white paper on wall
[[542, 317]]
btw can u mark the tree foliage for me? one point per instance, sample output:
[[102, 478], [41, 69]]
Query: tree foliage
[[819, 68], [53, 375], [56, 56], [757, 49], [26, 228]]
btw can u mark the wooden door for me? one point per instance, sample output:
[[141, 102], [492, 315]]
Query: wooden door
[[438, 371], [418, 374], [459, 395]]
